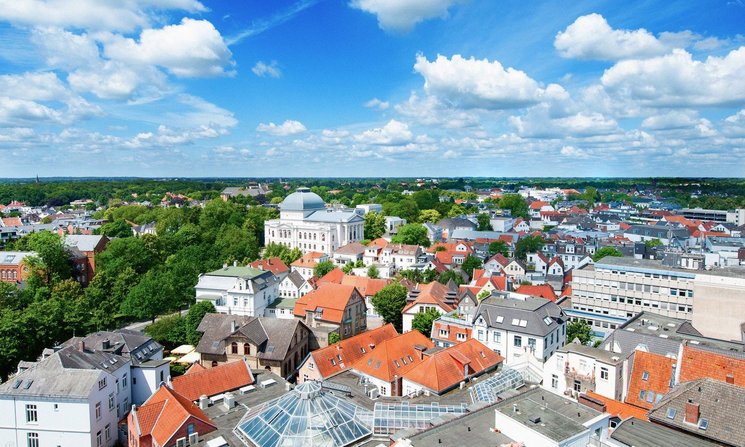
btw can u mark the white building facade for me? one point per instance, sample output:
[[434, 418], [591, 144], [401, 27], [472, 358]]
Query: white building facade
[[238, 290], [305, 223]]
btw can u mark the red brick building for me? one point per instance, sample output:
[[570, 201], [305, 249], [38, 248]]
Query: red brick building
[[12, 267]]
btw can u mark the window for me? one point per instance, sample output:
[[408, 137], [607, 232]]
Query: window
[[645, 376], [124, 380], [460, 336], [671, 413], [234, 348], [32, 440], [650, 396], [246, 349], [497, 337], [99, 439], [642, 394], [111, 401], [518, 341], [481, 335], [703, 424], [531, 343], [190, 429], [102, 383], [98, 410], [31, 413], [577, 386], [603, 373], [107, 431], [383, 390], [554, 381]]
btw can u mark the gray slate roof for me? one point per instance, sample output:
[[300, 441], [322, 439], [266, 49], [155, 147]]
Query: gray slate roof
[[533, 310], [83, 242], [272, 336], [720, 403], [639, 433], [129, 344]]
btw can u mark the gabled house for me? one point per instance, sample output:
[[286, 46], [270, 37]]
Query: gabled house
[[434, 295], [367, 287], [167, 419], [307, 263], [385, 366], [651, 377], [294, 285], [327, 362], [274, 265], [89, 246], [349, 254], [200, 381], [444, 370], [496, 264], [575, 369], [516, 270], [333, 308], [274, 344], [541, 290], [238, 290]]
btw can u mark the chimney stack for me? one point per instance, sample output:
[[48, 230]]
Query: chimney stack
[[81, 346], [692, 412], [730, 379], [235, 263], [169, 384], [225, 266], [233, 326]]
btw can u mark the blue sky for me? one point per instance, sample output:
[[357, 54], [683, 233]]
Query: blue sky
[[371, 88]]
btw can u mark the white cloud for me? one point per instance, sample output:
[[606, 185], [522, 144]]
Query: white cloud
[[289, 127], [571, 151], [538, 124], [119, 15], [590, 37], [734, 125], [262, 69], [402, 15], [63, 49], [449, 154], [117, 80], [430, 111], [481, 83], [676, 80], [375, 103], [189, 49], [671, 120], [394, 133]]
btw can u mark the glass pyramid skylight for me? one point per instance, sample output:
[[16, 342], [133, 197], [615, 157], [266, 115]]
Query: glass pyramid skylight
[[306, 416]]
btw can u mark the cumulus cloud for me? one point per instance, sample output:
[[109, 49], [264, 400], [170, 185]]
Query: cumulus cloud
[[671, 120], [64, 49], [262, 69], [120, 15], [591, 37], [402, 15], [375, 103], [430, 111], [394, 133], [289, 127], [117, 80], [188, 49], [481, 83], [678, 80], [538, 124]]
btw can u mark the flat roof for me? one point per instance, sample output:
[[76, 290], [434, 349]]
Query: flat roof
[[560, 418], [638, 433], [656, 265], [237, 271]]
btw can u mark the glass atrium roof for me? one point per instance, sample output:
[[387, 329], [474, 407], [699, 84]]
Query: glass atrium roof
[[306, 416], [390, 418], [489, 389]]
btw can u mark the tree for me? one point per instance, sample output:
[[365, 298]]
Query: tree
[[348, 267], [428, 215], [579, 329], [168, 331], [423, 321], [528, 244], [456, 210], [484, 294], [53, 258], [516, 204], [117, 228], [286, 254], [374, 226], [389, 302], [499, 247], [412, 234], [449, 275], [322, 268], [484, 222], [373, 272], [606, 251], [470, 263], [334, 338], [652, 243], [193, 318]]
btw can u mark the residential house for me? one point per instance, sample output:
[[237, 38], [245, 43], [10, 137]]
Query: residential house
[[393, 223], [448, 331], [367, 287], [274, 265], [68, 399], [89, 246], [167, 419], [541, 290], [385, 366], [446, 369], [327, 362], [575, 369], [275, 344], [517, 326], [349, 254], [651, 376], [210, 382], [333, 308], [516, 270], [238, 290], [455, 223], [496, 264], [434, 295], [306, 264], [12, 266], [294, 285]]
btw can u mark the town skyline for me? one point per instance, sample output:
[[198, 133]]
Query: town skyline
[[379, 89]]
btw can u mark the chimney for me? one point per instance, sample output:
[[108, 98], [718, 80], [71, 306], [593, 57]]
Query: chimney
[[235, 263], [730, 379], [420, 350], [225, 266], [106, 344], [134, 408], [203, 402], [692, 412], [81, 346], [169, 384], [372, 346], [233, 326]]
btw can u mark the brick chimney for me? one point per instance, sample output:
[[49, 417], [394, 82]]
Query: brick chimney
[[692, 412], [81, 346], [730, 379]]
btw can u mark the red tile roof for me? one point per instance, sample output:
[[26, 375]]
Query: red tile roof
[[543, 291], [332, 298], [195, 367], [164, 413], [333, 276], [538, 204], [432, 293], [393, 357], [213, 381], [274, 265], [697, 363], [12, 222], [366, 286], [452, 331], [309, 260], [348, 351], [618, 408], [444, 369], [658, 370]]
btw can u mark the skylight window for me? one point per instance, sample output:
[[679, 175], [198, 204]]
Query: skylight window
[[523, 323], [515, 321], [500, 319], [547, 320], [671, 412], [645, 375], [703, 424]]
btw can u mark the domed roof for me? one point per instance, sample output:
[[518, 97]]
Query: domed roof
[[302, 200]]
